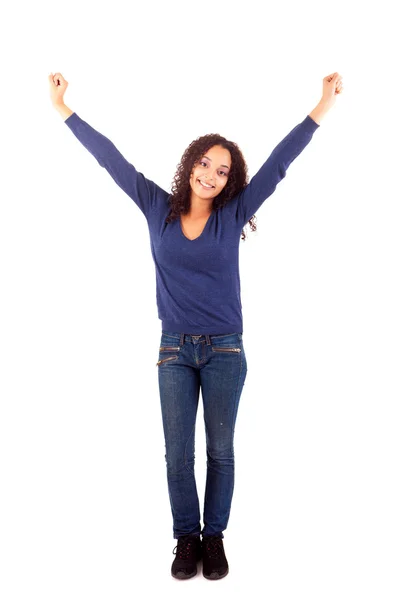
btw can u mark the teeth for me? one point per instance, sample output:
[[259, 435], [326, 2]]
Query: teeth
[[205, 184]]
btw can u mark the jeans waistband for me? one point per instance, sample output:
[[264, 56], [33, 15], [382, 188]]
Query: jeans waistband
[[197, 337]]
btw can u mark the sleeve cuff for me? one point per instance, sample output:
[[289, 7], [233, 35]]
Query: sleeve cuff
[[310, 124]]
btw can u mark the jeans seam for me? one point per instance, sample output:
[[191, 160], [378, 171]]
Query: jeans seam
[[236, 393], [185, 453]]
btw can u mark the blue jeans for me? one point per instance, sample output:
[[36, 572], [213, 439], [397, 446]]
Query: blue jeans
[[217, 364]]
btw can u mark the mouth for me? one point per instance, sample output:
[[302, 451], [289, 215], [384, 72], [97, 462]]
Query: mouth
[[206, 187]]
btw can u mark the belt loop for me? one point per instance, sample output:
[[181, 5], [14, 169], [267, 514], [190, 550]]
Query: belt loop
[[182, 340], [208, 341]]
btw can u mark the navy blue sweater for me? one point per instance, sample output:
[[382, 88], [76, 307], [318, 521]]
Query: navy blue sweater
[[197, 281]]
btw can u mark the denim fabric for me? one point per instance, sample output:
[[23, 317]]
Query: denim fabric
[[217, 364]]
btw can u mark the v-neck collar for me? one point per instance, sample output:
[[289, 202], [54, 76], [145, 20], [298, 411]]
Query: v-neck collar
[[199, 236]]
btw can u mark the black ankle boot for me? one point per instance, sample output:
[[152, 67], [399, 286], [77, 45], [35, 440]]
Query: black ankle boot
[[188, 553], [215, 564]]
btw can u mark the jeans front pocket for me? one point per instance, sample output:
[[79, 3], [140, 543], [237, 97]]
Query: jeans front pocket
[[165, 360], [220, 349], [231, 343], [167, 349]]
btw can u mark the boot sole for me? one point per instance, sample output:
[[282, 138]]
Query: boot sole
[[183, 575], [216, 575]]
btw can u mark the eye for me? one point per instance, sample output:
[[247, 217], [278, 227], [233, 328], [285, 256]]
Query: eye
[[221, 172]]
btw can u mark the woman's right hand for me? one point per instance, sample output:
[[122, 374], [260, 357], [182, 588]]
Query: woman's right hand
[[58, 87]]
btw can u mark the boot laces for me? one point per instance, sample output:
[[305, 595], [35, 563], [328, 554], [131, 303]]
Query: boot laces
[[184, 546], [214, 546]]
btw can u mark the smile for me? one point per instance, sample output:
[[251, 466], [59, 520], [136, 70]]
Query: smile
[[207, 187]]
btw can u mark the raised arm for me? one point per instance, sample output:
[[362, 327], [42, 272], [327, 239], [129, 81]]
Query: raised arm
[[264, 182], [63, 109], [143, 191]]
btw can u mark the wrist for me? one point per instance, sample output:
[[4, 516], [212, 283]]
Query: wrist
[[320, 111], [62, 109]]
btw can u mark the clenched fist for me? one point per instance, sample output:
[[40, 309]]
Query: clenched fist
[[58, 86], [332, 85]]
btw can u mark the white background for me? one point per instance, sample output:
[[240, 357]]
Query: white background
[[84, 508]]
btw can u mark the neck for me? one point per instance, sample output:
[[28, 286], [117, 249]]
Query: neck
[[199, 207]]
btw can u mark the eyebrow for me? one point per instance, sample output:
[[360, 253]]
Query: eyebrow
[[211, 161]]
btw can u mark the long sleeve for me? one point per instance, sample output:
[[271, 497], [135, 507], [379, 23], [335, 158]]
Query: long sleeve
[[144, 192], [264, 182]]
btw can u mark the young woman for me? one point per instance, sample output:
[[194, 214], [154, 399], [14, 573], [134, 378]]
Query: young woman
[[195, 233]]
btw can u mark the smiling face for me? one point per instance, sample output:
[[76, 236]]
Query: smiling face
[[213, 169]]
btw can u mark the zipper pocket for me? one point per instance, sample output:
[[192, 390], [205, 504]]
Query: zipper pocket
[[165, 359], [169, 348], [215, 349]]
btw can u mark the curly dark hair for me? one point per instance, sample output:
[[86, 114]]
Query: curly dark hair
[[179, 198]]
